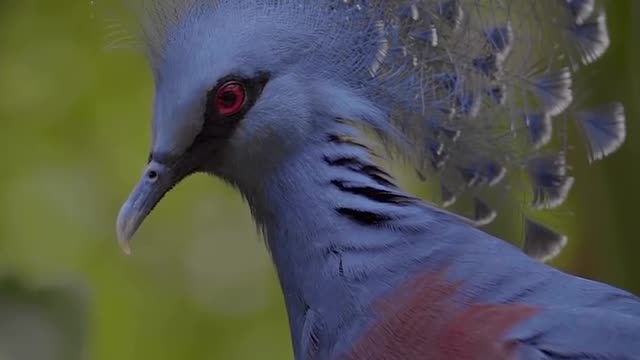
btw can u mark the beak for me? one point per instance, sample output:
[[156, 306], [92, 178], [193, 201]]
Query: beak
[[157, 179]]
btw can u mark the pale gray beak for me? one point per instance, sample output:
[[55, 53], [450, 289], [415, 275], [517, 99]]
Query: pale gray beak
[[155, 182]]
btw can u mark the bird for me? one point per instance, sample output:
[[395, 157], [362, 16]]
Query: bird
[[299, 104]]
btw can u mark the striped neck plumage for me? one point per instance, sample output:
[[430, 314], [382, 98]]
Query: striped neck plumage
[[333, 219], [335, 223], [333, 185]]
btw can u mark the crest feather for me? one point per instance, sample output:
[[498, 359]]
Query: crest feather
[[155, 20]]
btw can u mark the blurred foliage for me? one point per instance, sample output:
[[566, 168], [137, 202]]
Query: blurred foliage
[[200, 285], [43, 324]]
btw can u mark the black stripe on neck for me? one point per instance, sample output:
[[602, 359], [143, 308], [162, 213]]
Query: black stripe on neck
[[381, 195], [357, 165], [383, 190], [345, 140], [364, 217]]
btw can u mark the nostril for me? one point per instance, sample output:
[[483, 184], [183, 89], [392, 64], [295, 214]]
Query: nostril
[[152, 175]]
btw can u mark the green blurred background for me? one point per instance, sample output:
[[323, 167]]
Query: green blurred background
[[74, 133]]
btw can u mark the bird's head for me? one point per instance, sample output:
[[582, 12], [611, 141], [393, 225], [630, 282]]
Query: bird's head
[[237, 89], [242, 86]]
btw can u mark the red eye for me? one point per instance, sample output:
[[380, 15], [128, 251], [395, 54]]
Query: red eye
[[230, 98]]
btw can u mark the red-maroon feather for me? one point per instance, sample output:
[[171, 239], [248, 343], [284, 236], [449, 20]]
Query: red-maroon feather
[[429, 318]]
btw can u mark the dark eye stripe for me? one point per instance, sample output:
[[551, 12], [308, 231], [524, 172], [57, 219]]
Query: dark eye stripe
[[220, 126]]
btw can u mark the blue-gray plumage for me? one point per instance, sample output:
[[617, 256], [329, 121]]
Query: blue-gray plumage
[[275, 96]]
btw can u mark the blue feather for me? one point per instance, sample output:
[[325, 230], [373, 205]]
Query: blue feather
[[498, 93], [581, 9], [592, 38], [483, 214], [604, 129], [429, 36], [540, 242], [452, 12], [553, 89], [490, 65], [540, 128], [447, 197], [549, 179], [500, 39]]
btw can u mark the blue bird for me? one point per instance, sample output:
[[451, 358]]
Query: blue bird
[[289, 101]]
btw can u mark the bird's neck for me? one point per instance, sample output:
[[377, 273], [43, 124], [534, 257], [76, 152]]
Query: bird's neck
[[336, 224]]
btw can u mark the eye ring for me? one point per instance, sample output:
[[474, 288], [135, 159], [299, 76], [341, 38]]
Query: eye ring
[[230, 98]]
